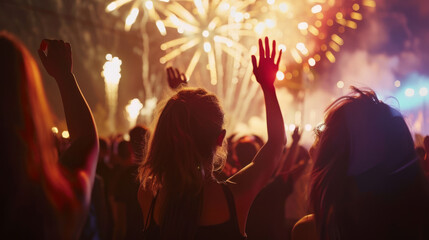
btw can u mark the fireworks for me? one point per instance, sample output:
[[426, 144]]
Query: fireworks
[[216, 38], [111, 73], [147, 6], [133, 110], [216, 27]]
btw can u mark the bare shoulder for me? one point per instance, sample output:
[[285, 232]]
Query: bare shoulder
[[305, 228]]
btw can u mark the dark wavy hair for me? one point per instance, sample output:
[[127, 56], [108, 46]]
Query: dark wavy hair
[[366, 180], [181, 155]]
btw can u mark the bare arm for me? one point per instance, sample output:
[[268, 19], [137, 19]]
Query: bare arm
[[247, 183], [292, 153], [80, 159]]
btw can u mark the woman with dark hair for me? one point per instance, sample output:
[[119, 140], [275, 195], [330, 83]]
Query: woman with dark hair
[[43, 197], [179, 196], [366, 180]]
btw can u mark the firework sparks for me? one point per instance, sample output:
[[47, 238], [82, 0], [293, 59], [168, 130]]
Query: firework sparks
[[147, 6], [212, 27]]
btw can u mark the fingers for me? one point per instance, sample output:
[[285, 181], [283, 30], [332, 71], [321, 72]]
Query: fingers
[[267, 48], [170, 73], [280, 57], [183, 77], [261, 49], [273, 53], [177, 73], [254, 63]]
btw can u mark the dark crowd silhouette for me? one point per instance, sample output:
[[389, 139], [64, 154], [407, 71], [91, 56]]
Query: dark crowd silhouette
[[187, 178]]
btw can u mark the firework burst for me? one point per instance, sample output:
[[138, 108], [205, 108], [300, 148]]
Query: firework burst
[[149, 7]]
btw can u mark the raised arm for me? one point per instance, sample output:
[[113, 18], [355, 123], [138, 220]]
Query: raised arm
[[291, 157], [80, 159], [247, 183]]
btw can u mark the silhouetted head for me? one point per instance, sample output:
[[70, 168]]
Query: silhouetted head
[[124, 152], [363, 149], [182, 148], [244, 150], [138, 141]]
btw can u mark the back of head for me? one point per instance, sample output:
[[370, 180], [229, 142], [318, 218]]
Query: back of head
[[138, 141], [180, 155], [182, 146], [364, 153], [244, 150], [30, 153]]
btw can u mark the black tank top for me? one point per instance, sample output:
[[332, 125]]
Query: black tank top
[[228, 230]]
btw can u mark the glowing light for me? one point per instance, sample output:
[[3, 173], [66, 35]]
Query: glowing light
[[292, 127], [271, 23], [356, 16], [224, 6], [207, 47], [316, 8], [337, 39], [317, 57], [340, 84], [65, 134], [356, 7], [238, 17], [282, 47], [271, 2], [300, 46], [369, 3], [131, 18], [397, 83], [206, 33], [259, 28], [111, 73], [280, 75], [423, 91], [409, 92], [308, 127], [161, 27], [112, 6], [200, 7], [334, 46], [351, 24], [311, 62], [133, 110], [55, 130], [149, 106], [284, 7], [149, 5], [302, 26], [339, 15]]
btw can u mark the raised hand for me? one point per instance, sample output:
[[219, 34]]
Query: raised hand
[[296, 135], [265, 72], [175, 78], [57, 60]]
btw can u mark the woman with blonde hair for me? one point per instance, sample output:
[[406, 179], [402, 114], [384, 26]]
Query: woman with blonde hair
[[43, 196], [179, 196]]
